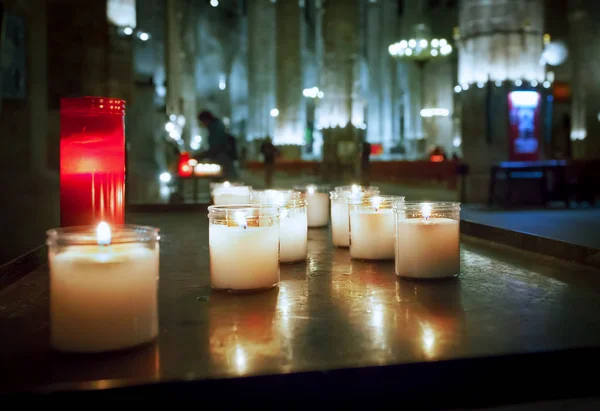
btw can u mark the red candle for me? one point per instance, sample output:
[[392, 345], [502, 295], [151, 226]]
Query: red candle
[[92, 161]]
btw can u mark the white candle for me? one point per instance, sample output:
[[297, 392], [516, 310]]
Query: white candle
[[317, 207], [293, 232], [372, 228], [427, 247], [243, 256], [103, 297], [340, 229], [228, 195]]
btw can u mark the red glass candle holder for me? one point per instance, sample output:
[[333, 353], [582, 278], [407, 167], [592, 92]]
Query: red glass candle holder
[[92, 161]]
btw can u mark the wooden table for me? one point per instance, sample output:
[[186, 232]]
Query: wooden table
[[514, 326]]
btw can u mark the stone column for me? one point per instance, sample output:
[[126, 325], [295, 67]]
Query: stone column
[[499, 41], [261, 67], [585, 62], [173, 58], [289, 128], [340, 48], [382, 20]]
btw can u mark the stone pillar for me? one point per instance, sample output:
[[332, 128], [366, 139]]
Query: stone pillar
[[261, 67], [382, 20], [585, 61], [173, 58], [289, 125], [499, 41], [340, 49]]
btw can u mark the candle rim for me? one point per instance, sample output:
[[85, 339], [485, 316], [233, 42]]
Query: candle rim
[[86, 235]]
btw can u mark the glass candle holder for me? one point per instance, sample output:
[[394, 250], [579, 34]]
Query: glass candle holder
[[427, 240], [293, 228], [372, 227], [231, 194], [340, 225], [92, 161], [103, 287], [244, 247], [317, 203]]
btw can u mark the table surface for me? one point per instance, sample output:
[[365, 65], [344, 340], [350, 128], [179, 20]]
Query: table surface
[[328, 313]]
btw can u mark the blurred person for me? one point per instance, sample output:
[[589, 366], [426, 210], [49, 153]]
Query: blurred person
[[365, 163], [269, 152], [219, 149]]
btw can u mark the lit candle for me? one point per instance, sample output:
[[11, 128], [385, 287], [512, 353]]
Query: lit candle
[[372, 227], [103, 287], [92, 161], [230, 194], [427, 240], [339, 211], [243, 247], [293, 232], [317, 202]]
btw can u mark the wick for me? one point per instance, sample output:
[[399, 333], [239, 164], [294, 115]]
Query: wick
[[376, 210]]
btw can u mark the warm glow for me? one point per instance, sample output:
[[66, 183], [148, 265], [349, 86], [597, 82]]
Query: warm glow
[[240, 359], [426, 211], [310, 190], [436, 158], [428, 340], [103, 235], [226, 184]]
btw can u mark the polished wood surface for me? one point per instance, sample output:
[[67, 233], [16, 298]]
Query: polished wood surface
[[328, 313]]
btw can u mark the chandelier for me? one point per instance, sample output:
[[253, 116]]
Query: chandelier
[[421, 48]]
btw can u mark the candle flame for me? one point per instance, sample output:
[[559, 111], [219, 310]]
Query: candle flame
[[240, 219], [310, 190], [103, 235], [355, 189], [426, 211], [226, 184], [376, 201]]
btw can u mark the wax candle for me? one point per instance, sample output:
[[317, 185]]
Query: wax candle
[[293, 232], [92, 161], [427, 240], [103, 291], [243, 247], [372, 227], [317, 202], [339, 211], [229, 195]]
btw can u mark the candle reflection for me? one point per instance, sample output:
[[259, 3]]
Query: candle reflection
[[240, 360], [428, 338]]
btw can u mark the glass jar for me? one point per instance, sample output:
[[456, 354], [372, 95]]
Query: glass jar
[[317, 202], [103, 287], [293, 227], [340, 233], [92, 161], [372, 227], [427, 240], [244, 247]]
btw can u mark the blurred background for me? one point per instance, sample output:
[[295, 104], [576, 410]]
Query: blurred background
[[433, 99]]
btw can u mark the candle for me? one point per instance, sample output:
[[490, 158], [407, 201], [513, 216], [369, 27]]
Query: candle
[[372, 227], [229, 195], [427, 240], [339, 211], [92, 161], [317, 202], [293, 232], [243, 247], [103, 291]]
